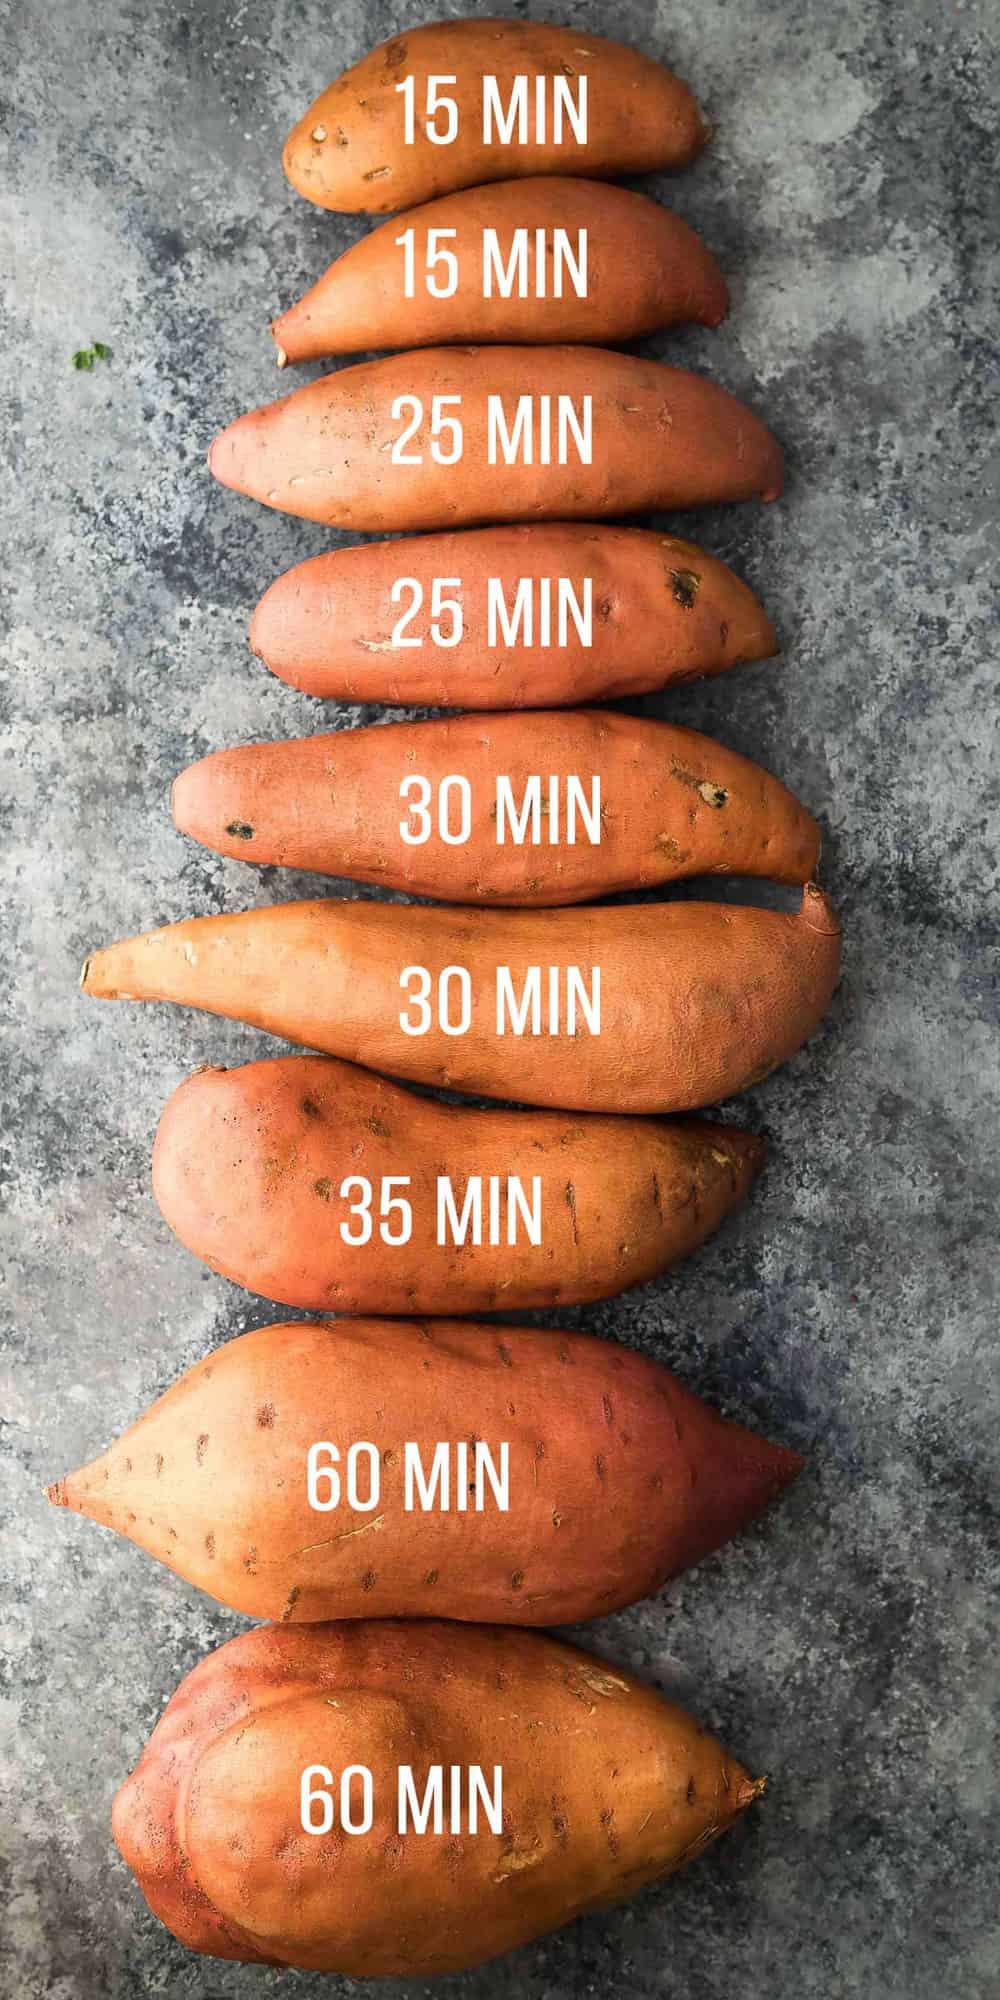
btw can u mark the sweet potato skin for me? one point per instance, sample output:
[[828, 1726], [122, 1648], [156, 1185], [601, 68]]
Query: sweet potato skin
[[645, 269], [672, 804], [696, 1000], [618, 1476], [664, 611], [606, 1786], [661, 437], [349, 151], [248, 1166]]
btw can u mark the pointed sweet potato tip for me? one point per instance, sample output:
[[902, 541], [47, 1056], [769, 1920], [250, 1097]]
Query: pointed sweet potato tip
[[818, 911], [742, 1475], [74, 1490], [221, 455]]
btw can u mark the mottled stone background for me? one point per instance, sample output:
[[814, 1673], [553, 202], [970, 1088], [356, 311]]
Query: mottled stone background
[[850, 1646]]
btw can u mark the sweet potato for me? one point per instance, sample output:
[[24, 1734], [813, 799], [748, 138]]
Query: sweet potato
[[610, 266], [661, 803], [350, 151], [636, 436], [640, 1007], [614, 612], [616, 1476], [275, 1175], [604, 1786]]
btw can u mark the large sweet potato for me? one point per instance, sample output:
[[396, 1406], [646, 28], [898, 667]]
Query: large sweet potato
[[610, 802], [448, 436], [612, 1475], [603, 1786], [508, 618], [640, 1007], [323, 1186], [351, 150], [580, 261]]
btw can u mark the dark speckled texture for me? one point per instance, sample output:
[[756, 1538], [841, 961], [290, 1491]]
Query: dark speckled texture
[[849, 1646]]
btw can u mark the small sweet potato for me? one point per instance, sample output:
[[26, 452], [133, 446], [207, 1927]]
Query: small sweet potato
[[383, 805], [614, 266], [604, 1786], [616, 1476], [275, 1174], [350, 151], [614, 612], [448, 436], [638, 1007]]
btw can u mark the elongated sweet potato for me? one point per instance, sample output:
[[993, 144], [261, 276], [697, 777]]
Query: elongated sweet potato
[[605, 1475], [449, 436], [571, 806], [603, 1786], [641, 1007], [517, 617], [321, 1185], [586, 106], [580, 262]]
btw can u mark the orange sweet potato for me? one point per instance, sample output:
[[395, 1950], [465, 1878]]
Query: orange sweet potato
[[616, 1477], [377, 448], [350, 151], [604, 1786], [386, 804], [640, 1007], [275, 1175], [614, 612], [611, 265]]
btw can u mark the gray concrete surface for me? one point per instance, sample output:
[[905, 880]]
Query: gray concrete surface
[[849, 1647]]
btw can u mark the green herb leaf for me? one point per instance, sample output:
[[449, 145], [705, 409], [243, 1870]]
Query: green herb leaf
[[86, 356]]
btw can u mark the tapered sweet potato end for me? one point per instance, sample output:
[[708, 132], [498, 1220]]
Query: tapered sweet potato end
[[739, 1791], [266, 622], [302, 156], [744, 1152], [772, 470], [290, 333], [272, 633], [66, 1493], [210, 801], [226, 456], [87, 1491], [693, 131], [321, 158], [818, 912], [750, 634], [732, 1476], [101, 974], [301, 335], [807, 848], [193, 796], [766, 639], [744, 1478], [819, 920], [715, 300]]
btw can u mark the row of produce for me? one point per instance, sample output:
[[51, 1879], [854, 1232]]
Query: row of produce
[[341, 1788]]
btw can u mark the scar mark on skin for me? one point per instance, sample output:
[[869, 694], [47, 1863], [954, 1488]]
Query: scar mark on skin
[[685, 584], [366, 1528], [571, 1205]]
